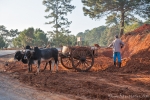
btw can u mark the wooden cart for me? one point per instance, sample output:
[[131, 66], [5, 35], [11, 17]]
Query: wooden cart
[[79, 58]]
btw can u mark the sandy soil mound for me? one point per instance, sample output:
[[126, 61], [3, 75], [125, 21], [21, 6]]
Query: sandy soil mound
[[138, 63], [103, 60], [137, 41], [136, 52]]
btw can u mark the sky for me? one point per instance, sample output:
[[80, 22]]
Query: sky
[[22, 14]]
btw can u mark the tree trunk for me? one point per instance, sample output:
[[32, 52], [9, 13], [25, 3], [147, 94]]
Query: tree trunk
[[122, 24], [57, 43]]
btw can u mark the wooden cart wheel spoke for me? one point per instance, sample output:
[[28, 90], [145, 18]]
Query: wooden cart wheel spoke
[[81, 66], [85, 66], [88, 60], [66, 62], [75, 60], [87, 63], [78, 63], [84, 56]]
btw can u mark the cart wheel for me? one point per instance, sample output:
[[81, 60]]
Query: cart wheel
[[82, 59], [66, 62]]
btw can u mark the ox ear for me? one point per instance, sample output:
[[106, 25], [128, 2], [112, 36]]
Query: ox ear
[[32, 51], [17, 51], [22, 52]]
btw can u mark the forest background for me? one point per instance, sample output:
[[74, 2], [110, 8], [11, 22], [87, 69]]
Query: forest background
[[102, 35]]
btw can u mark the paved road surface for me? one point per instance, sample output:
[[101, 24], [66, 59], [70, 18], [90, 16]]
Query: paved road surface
[[5, 52]]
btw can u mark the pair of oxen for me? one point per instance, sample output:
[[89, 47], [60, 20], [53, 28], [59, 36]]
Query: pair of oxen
[[36, 56]]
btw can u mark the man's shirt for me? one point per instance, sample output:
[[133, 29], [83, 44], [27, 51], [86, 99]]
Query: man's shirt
[[116, 44]]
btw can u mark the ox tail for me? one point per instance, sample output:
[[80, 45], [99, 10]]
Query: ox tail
[[56, 62]]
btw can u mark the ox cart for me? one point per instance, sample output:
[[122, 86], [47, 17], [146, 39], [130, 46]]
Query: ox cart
[[78, 58]]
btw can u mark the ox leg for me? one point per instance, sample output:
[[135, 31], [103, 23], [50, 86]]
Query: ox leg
[[56, 66], [45, 66], [52, 64], [28, 67], [38, 67], [31, 67]]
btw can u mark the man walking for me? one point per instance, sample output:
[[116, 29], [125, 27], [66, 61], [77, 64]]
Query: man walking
[[117, 44]]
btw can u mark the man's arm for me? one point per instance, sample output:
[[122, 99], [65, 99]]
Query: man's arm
[[110, 45]]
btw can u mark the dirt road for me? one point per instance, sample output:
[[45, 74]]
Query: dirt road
[[12, 89]]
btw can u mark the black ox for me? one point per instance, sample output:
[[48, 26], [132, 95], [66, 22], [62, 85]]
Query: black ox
[[19, 56], [36, 56]]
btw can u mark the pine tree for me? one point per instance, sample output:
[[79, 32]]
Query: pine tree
[[58, 9], [99, 8]]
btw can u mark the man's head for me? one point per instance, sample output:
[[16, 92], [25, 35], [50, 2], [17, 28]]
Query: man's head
[[116, 36]]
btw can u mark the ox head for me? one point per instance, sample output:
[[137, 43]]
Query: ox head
[[18, 55], [28, 47], [28, 52]]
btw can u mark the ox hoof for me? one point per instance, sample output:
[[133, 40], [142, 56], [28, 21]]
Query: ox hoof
[[42, 70], [53, 72], [37, 73], [29, 71]]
